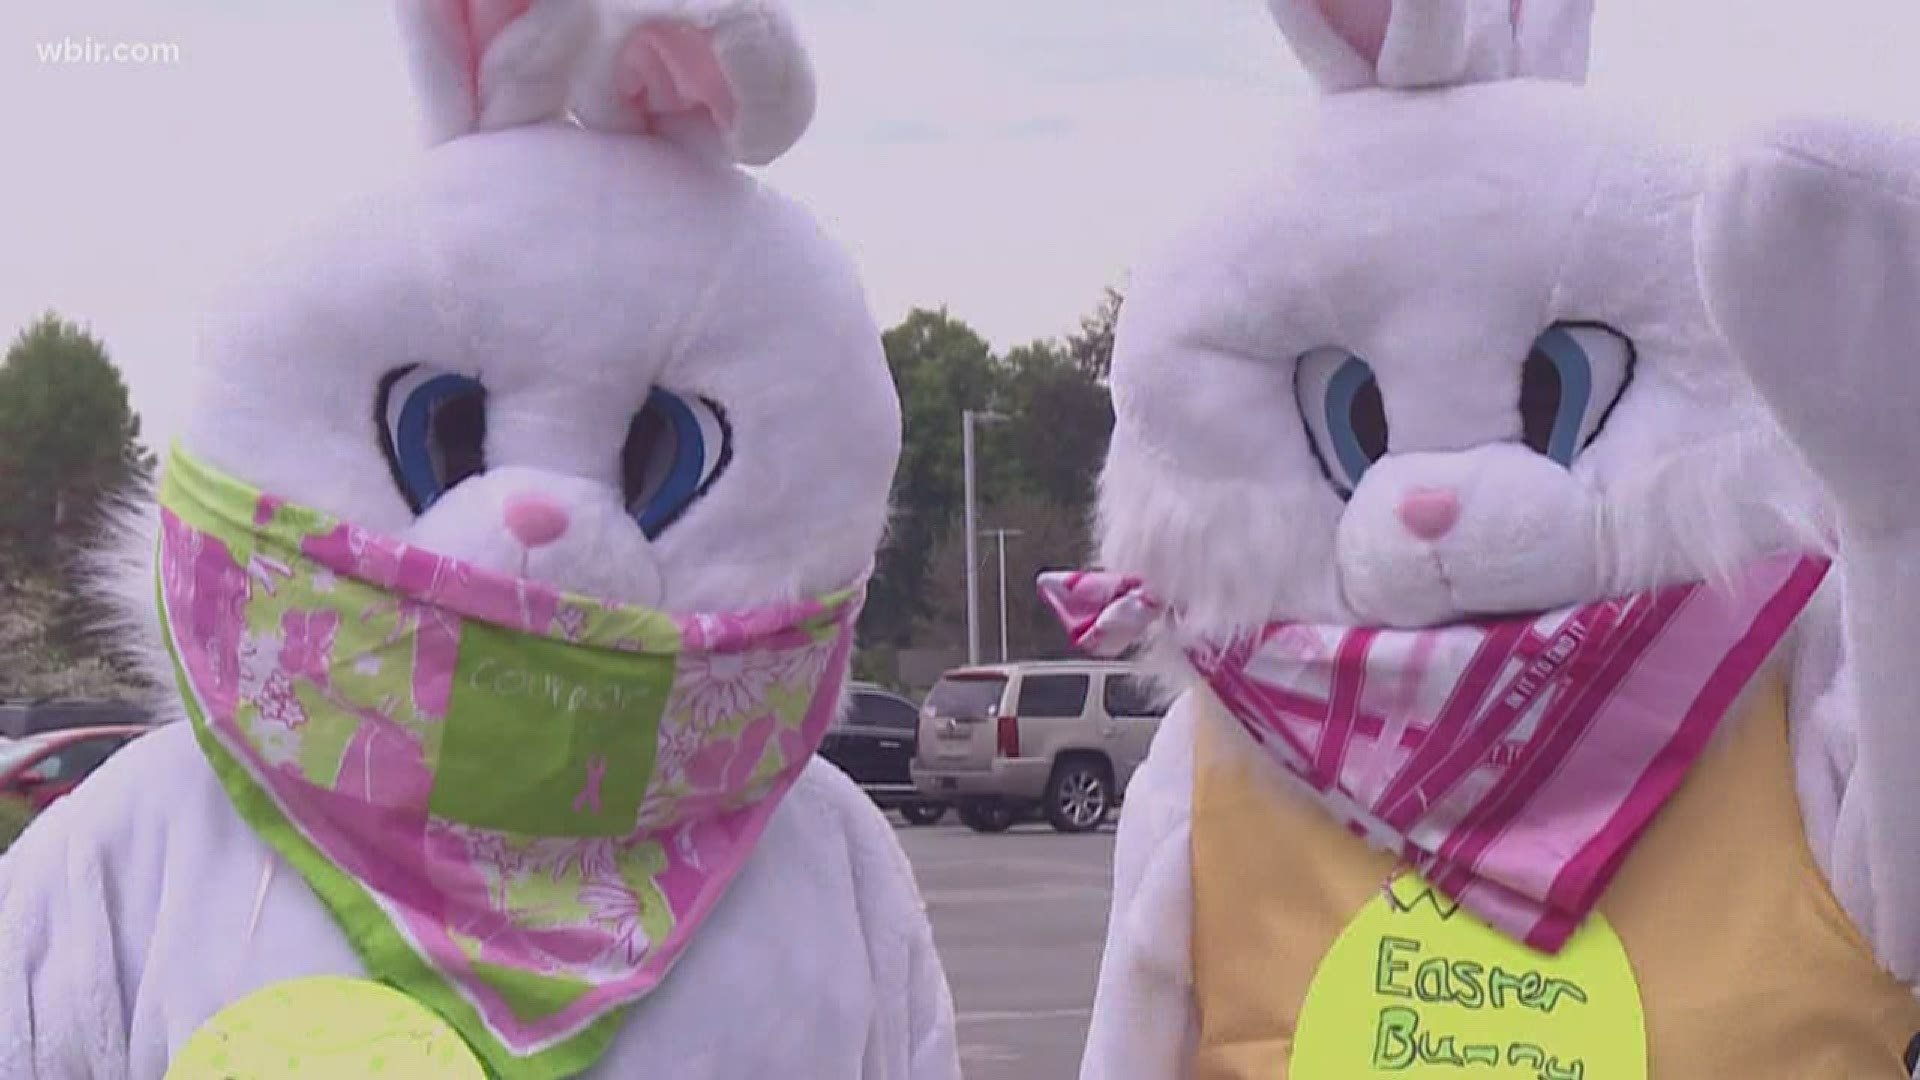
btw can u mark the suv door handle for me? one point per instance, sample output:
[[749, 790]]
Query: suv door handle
[[891, 744]]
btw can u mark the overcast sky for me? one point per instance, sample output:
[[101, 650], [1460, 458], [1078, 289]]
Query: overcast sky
[[1004, 158]]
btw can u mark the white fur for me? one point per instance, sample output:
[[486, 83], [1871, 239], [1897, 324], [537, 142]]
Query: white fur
[[1443, 42], [1144, 1024], [1326, 54], [1553, 39], [572, 271], [1435, 235], [119, 570], [1810, 246]]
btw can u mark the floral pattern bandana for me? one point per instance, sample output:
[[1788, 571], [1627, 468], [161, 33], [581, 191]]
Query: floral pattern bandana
[[1513, 762], [518, 804]]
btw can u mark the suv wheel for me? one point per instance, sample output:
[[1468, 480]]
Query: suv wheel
[[987, 817], [1079, 796], [923, 813]]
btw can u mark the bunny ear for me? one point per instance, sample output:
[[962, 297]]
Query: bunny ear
[[1554, 38], [1409, 44], [1339, 41], [482, 65], [701, 70]]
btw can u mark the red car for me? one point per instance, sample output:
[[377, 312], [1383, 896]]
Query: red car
[[41, 768]]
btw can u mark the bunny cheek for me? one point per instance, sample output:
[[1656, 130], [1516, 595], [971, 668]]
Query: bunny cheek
[[561, 530], [1518, 535]]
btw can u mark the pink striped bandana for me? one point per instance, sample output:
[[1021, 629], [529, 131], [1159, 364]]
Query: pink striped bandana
[[1513, 761]]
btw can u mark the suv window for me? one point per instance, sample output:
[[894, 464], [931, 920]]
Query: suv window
[[1132, 697], [967, 697], [1053, 695], [77, 760], [879, 710]]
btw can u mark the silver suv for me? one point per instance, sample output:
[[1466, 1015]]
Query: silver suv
[[1001, 742]]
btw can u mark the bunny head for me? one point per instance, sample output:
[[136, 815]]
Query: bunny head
[[578, 343], [1446, 356]]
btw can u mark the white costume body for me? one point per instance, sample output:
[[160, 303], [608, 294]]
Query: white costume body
[[127, 919]]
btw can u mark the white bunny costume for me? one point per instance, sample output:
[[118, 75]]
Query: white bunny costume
[[1448, 365], [529, 427]]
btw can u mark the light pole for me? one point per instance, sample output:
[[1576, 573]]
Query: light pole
[[1001, 535], [968, 419]]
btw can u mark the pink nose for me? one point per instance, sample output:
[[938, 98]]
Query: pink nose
[[535, 520], [1429, 513]]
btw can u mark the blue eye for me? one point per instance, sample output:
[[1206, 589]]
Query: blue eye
[[676, 447], [433, 428], [1575, 374], [1345, 415]]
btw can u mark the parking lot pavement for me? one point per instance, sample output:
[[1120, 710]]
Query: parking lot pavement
[[1019, 919]]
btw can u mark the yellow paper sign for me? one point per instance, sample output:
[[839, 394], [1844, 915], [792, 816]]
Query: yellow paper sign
[[326, 1027], [1416, 986]]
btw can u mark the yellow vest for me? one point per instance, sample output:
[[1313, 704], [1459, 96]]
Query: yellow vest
[[1747, 967]]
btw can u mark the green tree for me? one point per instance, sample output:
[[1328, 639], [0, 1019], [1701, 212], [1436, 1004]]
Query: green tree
[[1061, 423], [1092, 346], [68, 438], [15, 815], [37, 661], [941, 368]]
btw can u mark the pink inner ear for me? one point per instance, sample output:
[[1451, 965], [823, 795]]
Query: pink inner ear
[[474, 24], [489, 17], [1362, 23], [668, 67]]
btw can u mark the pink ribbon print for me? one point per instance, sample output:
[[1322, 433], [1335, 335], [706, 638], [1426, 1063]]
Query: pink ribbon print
[[588, 801], [1512, 761]]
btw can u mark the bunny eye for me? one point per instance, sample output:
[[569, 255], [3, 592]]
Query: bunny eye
[[676, 447], [433, 428], [1575, 375], [1345, 415]]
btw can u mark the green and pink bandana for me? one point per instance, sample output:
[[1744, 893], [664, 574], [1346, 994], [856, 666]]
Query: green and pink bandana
[[518, 804]]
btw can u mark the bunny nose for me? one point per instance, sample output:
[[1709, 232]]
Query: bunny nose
[[1429, 513], [535, 520]]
